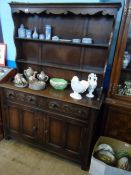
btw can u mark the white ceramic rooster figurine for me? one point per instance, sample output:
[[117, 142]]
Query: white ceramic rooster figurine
[[78, 87], [92, 80]]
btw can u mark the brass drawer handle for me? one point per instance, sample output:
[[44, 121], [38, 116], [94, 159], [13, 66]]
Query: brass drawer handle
[[53, 106], [10, 95], [30, 99]]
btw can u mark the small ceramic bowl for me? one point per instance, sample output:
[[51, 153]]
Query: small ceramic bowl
[[40, 85], [55, 38], [76, 40], [58, 83], [87, 40]]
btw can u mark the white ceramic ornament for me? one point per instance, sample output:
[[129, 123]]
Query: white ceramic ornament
[[35, 34], [92, 80], [78, 87]]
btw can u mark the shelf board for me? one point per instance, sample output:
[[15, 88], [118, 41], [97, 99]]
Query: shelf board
[[88, 69], [64, 42]]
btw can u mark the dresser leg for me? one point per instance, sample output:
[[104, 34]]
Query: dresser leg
[[84, 167]]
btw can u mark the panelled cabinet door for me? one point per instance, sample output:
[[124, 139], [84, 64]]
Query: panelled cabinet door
[[42, 130], [73, 139], [54, 132], [64, 136], [13, 120], [29, 124]]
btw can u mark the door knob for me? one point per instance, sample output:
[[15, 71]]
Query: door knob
[[34, 128]]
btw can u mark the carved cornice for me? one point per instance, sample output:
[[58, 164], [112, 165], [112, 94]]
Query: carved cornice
[[58, 11]]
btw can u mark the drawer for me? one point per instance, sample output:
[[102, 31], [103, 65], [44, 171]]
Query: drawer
[[74, 111], [20, 97], [24, 98], [68, 109]]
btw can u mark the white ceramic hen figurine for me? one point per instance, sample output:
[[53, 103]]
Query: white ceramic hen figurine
[[78, 87]]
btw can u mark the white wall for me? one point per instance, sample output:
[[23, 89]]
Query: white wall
[[7, 29]]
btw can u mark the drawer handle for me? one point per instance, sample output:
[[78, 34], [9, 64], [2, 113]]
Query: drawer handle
[[10, 95], [53, 106], [30, 99]]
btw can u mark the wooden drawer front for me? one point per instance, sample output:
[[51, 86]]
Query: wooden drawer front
[[20, 97], [75, 111], [25, 98]]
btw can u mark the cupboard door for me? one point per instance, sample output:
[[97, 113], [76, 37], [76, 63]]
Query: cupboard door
[[54, 132], [29, 124], [13, 119], [64, 136], [73, 138], [42, 130]]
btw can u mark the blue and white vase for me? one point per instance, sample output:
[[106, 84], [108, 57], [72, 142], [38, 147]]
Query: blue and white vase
[[48, 32], [21, 31], [35, 34]]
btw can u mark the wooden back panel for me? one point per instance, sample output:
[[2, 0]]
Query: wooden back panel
[[65, 59]]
